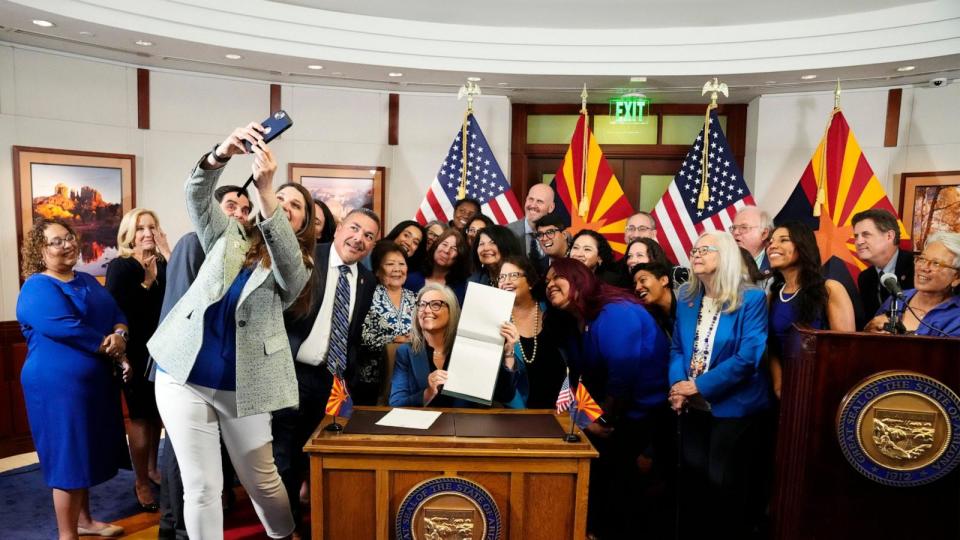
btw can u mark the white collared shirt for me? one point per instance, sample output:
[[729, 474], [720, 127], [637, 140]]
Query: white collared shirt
[[891, 266], [314, 349], [527, 231]]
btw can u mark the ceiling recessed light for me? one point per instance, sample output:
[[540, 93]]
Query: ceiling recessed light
[[144, 43], [906, 68], [503, 84], [84, 33], [770, 82], [232, 56], [808, 77], [43, 23], [314, 66], [638, 79], [474, 79], [395, 74]]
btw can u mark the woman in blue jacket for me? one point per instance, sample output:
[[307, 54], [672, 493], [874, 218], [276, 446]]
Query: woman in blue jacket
[[719, 384], [420, 368], [617, 351]]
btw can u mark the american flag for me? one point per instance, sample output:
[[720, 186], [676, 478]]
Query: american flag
[[485, 181], [565, 398], [679, 221]]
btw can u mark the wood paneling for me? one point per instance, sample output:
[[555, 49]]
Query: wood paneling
[[539, 492], [143, 98], [348, 496], [276, 101], [393, 120], [14, 429], [892, 131]]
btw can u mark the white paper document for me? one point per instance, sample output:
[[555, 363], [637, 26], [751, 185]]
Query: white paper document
[[409, 418], [475, 358]]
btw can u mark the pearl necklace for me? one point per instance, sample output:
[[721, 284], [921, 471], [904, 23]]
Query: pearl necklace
[[536, 332], [785, 300]]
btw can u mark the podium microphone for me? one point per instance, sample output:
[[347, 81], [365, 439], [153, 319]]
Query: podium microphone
[[891, 283]]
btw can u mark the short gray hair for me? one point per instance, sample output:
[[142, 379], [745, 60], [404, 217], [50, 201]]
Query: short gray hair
[[950, 240], [417, 342]]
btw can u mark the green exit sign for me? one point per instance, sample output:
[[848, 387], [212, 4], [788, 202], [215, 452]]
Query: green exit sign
[[628, 109]]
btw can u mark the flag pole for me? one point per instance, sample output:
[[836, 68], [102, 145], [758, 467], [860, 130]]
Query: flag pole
[[715, 87], [572, 437], [335, 427], [470, 90], [822, 177], [584, 207]]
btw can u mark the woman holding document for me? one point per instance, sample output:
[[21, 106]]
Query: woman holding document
[[420, 369]]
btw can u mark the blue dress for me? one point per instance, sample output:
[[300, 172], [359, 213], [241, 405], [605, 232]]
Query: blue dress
[[782, 316], [72, 398]]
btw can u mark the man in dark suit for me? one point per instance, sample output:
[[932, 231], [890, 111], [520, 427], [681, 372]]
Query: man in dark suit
[[876, 234], [751, 229], [539, 203], [311, 338]]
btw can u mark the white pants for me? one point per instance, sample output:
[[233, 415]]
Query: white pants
[[194, 417]]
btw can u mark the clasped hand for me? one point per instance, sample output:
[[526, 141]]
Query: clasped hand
[[113, 346], [680, 393]]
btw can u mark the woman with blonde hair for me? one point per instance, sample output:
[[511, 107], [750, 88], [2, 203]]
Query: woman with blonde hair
[[136, 280], [722, 390], [420, 368]]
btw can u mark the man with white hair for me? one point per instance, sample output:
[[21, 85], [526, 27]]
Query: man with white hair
[[751, 229]]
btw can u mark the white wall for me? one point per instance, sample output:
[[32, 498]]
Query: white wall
[[58, 101], [785, 129]]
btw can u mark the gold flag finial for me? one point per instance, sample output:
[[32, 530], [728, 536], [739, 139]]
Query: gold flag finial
[[469, 90], [836, 95], [715, 87], [584, 206]]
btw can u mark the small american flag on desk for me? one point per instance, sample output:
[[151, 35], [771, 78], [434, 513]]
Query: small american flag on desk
[[485, 181], [679, 220]]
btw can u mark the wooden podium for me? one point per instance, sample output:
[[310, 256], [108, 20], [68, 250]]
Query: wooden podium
[[357, 482], [818, 494]]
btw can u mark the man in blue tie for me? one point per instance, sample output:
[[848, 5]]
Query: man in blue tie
[[325, 342], [539, 203]]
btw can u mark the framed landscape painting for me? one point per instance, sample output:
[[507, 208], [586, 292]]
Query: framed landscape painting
[[930, 202], [343, 187], [89, 190]]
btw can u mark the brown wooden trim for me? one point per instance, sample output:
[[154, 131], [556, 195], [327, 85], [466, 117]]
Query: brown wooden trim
[[276, 102], [894, 99], [377, 174], [143, 98], [393, 120]]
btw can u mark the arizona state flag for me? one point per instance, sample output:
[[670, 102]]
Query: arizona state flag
[[584, 409], [837, 184], [591, 195], [339, 403]]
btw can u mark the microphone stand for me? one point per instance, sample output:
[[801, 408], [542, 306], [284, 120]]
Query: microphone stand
[[895, 323]]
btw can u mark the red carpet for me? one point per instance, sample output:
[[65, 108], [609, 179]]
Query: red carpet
[[242, 522]]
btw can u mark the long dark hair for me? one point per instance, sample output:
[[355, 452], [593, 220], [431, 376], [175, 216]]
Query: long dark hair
[[506, 242], [654, 252], [603, 249], [460, 270], [812, 301], [329, 224], [588, 294], [258, 251], [414, 259]]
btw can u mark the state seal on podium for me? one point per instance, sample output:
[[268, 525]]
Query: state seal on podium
[[900, 428], [448, 508]]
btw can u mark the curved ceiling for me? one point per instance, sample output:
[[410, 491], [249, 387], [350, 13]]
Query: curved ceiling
[[532, 50]]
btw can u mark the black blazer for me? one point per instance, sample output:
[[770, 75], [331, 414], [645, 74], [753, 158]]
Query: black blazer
[[869, 284], [299, 329]]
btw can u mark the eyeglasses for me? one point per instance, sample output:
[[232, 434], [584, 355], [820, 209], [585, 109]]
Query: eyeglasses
[[452, 249], [58, 242], [548, 234], [511, 276], [640, 229], [734, 229], [702, 250], [434, 305], [474, 230], [920, 260]]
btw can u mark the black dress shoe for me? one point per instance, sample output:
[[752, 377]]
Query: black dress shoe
[[146, 507]]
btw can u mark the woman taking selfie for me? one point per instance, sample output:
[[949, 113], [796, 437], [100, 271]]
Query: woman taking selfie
[[223, 353]]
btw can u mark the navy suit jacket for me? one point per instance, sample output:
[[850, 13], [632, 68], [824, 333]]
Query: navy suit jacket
[[737, 383], [410, 371], [299, 329], [869, 284]]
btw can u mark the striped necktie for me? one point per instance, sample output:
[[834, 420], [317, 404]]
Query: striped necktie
[[339, 325]]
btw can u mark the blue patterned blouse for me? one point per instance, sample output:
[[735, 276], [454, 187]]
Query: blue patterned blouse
[[384, 322]]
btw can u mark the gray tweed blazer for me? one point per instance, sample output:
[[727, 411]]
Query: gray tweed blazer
[[266, 380]]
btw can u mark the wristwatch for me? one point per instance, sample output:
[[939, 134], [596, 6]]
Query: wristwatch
[[122, 333], [216, 157]]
